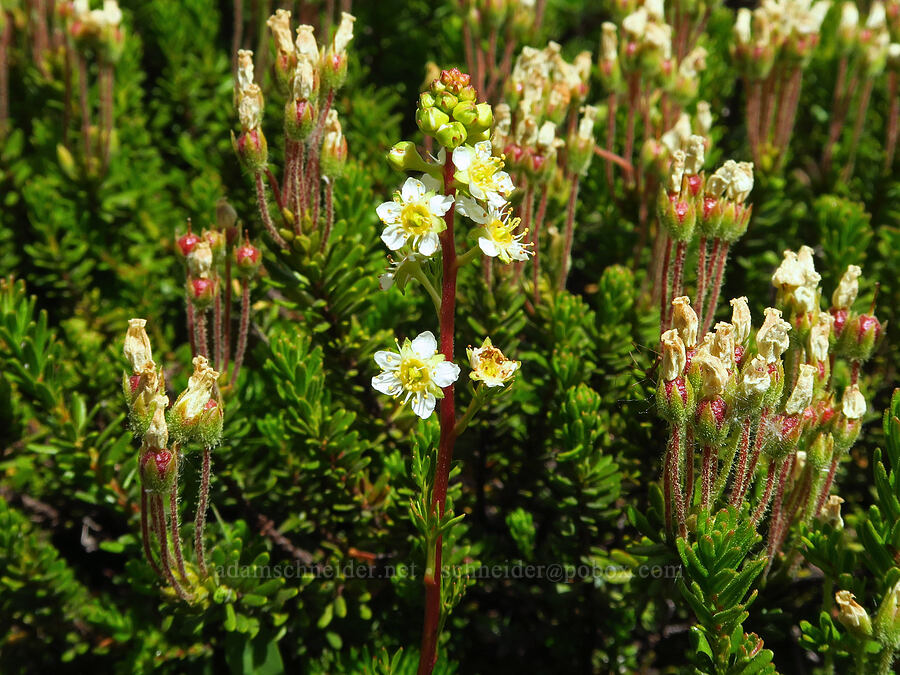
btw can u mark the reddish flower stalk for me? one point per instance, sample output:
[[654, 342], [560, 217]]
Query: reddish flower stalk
[[200, 520], [754, 457], [242, 331], [536, 238], [190, 326], [826, 486], [858, 127], [611, 138], [721, 257], [677, 451], [893, 126], [145, 533], [264, 212], [273, 185], [160, 526], [527, 209], [613, 158], [633, 91], [667, 487], [200, 333], [701, 277], [329, 213], [173, 523], [85, 108], [777, 518], [570, 231], [837, 119], [428, 656], [706, 477], [689, 471], [736, 491], [663, 283], [217, 332], [681, 252], [774, 466], [226, 348], [237, 31]]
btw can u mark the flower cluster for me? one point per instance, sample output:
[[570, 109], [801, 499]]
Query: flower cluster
[[771, 403], [420, 222], [315, 149], [196, 417]]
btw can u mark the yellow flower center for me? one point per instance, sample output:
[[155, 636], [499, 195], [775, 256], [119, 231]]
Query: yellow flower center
[[481, 173], [502, 233], [416, 219], [490, 362], [414, 375]]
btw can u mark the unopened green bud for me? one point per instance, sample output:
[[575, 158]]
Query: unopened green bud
[[887, 620], [431, 119], [446, 101], [451, 135], [405, 157], [252, 150], [465, 113], [678, 215], [299, 117], [158, 469]]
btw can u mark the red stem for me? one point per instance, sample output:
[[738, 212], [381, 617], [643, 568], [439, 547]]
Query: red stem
[[200, 520], [173, 523], [536, 238], [742, 464], [701, 277], [145, 533], [160, 519], [826, 487], [264, 212], [200, 333], [663, 283], [570, 231], [428, 656], [722, 256], [774, 465], [242, 331], [893, 126]]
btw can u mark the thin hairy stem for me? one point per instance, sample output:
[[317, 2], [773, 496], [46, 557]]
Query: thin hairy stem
[[242, 330], [200, 520]]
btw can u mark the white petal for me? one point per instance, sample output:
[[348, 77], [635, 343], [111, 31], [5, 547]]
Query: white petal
[[389, 212], [412, 190], [483, 150], [445, 373], [428, 244], [493, 198], [423, 404], [462, 158], [387, 360], [488, 247], [503, 182], [431, 183], [387, 383], [424, 346], [470, 208], [440, 204], [385, 281], [518, 251], [393, 237]]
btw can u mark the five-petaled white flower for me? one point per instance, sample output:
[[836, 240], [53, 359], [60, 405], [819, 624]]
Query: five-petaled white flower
[[415, 216], [418, 369], [497, 238], [490, 366], [482, 173]]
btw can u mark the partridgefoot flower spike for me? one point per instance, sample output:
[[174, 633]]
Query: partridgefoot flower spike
[[194, 419], [468, 178]]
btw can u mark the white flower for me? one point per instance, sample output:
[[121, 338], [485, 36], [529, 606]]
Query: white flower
[[482, 172], [755, 379], [853, 403], [344, 33], [685, 320], [244, 71], [137, 345], [674, 357], [740, 319], [848, 288], [280, 25], [802, 393], [415, 216], [418, 370], [497, 238], [490, 366], [772, 339]]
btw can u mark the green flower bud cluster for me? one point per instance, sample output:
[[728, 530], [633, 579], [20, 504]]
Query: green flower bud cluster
[[450, 113]]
